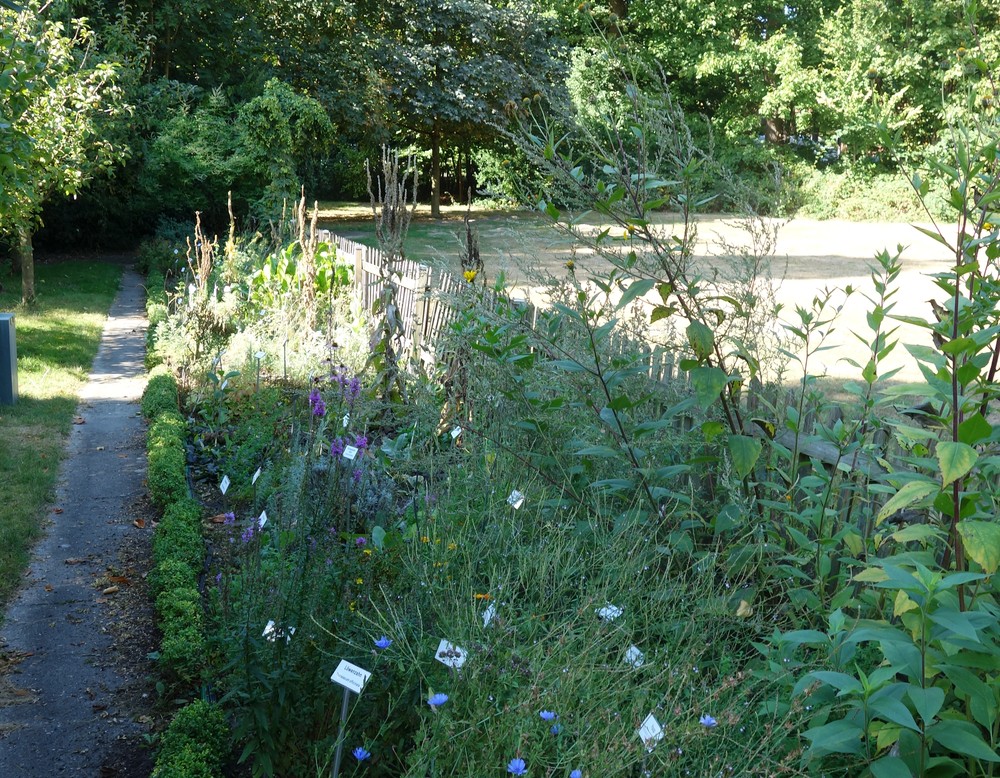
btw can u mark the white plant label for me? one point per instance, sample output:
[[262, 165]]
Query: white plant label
[[262, 520], [635, 657], [609, 612], [455, 433], [272, 633], [346, 420], [255, 477], [350, 452], [516, 499], [260, 355], [224, 484], [489, 614], [650, 732], [450, 655], [350, 676]]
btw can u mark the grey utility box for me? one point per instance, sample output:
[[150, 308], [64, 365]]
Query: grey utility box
[[8, 360]]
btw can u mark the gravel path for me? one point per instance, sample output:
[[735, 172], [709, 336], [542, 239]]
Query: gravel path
[[71, 670]]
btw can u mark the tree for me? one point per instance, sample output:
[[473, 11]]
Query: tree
[[447, 68], [62, 96]]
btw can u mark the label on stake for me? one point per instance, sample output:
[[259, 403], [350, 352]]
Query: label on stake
[[262, 520], [350, 452], [224, 484], [455, 433], [516, 499], [635, 657], [255, 477], [609, 612], [350, 676], [650, 732], [450, 655], [489, 614]]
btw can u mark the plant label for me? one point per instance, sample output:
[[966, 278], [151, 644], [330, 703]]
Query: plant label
[[450, 655], [346, 420], [255, 477], [260, 355], [272, 633], [489, 614], [350, 676], [262, 520], [650, 732], [455, 433], [635, 657], [224, 484], [516, 499], [350, 452], [609, 612]]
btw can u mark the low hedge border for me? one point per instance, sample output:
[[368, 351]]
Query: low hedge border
[[196, 742]]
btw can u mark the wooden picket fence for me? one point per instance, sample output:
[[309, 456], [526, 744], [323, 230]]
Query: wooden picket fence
[[427, 299]]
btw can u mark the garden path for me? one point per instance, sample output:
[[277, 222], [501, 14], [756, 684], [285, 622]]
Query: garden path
[[72, 670]]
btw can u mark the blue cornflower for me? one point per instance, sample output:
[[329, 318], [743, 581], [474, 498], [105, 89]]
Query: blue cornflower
[[576, 774], [361, 754], [437, 699], [707, 721], [517, 767], [547, 715], [555, 729], [383, 642]]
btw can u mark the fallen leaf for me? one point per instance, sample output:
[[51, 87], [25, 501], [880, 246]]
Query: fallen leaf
[[101, 600], [79, 420], [140, 523], [219, 518], [98, 706], [119, 579], [57, 510], [111, 590], [49, 587], [75, 561]]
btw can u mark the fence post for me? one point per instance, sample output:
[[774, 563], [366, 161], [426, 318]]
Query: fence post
[[421, 309], [8, 360], [359, 268]]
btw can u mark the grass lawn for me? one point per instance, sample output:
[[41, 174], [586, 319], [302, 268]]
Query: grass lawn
[[57, 339]]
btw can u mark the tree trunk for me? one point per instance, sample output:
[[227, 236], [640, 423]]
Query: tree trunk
[[24, 255], [460, 178], [435, 174]]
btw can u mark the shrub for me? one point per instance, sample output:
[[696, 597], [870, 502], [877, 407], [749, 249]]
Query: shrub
[[171, 574], [194, 745], [166, 475], [178, 537], [160, 395]]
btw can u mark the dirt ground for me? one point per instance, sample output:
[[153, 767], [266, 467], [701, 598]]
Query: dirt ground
[[809, 256]]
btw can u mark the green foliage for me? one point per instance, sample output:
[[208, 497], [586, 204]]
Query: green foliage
[[160, 394], [166, 477], [178, 535], [195, 743]]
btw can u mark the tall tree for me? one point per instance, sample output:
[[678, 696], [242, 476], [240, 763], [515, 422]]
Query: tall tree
[[56, 135], [447, 68]]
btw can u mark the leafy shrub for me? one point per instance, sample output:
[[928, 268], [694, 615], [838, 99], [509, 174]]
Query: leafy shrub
[[166, 476], [160, 395], [178, 535], [195, 743]]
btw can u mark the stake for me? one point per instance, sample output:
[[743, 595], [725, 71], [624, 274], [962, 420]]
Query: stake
[[341, 735]]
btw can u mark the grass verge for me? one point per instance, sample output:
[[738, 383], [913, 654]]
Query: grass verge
[[57, 340]]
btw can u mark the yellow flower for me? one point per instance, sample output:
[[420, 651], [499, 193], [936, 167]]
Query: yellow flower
[[359, 581], [352, 607], [367, 552], [437, 541], [478, 596], [452, 546], [570, 265], [439, 564], [470, 275], [425, 539]]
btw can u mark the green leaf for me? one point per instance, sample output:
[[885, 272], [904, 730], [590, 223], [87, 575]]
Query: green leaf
[[955, 459], [597, 451], [635, 289], [745, 452], [701, 338], [927, 701], [907, 495], [894, 711], [974, 429], [918, 532], [838, 737], [890, 767], [708, 383], [963, 738], [957, 622], [378, 537], [842, 682], [982, 543]]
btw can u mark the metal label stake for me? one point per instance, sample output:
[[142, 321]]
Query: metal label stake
[[353, 679]]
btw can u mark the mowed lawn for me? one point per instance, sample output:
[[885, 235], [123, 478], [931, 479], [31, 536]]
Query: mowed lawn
[[57, 340]]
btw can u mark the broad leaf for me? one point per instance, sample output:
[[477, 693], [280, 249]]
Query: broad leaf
[[838, 737], [955, 459], [745, 452], [708, 383], [906, 496], [962, 738], [982, 543], [890, 767]]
